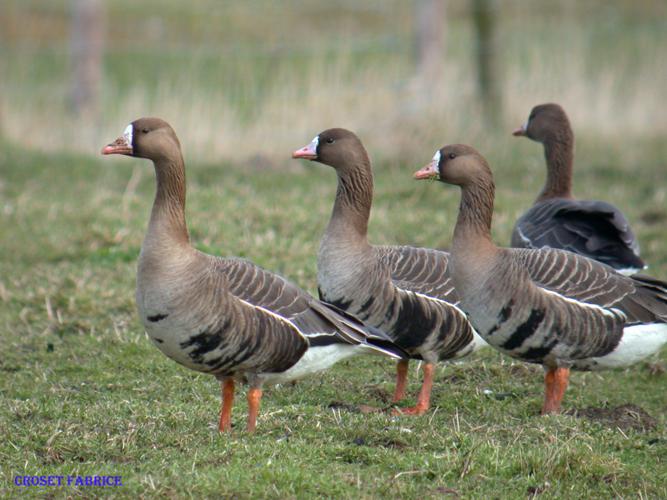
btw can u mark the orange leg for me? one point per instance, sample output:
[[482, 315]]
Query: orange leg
[[401, 380], [555, 383], [424, 398], [254, 396], [227, 403]]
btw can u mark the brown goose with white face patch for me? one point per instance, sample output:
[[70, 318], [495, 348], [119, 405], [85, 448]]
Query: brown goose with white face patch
[[595, 229], [404, 291], [545, 306], [227, 316]]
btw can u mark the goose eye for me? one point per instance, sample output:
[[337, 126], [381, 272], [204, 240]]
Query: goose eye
[[330, 140], [144, 130], [452, 156]]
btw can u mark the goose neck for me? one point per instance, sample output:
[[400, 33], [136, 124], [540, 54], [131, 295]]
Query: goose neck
[[352, 208], [472, 233], [167, 224], [559, 155]]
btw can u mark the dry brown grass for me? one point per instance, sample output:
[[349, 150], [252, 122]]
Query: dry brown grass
[[606, 73]]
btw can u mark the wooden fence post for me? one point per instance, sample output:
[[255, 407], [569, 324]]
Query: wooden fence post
[[86, 45], [430, 35], [487, 53]]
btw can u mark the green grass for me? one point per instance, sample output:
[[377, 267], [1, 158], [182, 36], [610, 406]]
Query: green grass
[[83, 392]]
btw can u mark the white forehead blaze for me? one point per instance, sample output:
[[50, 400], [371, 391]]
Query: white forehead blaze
[[127, 133], [315, 142], [436, 161]]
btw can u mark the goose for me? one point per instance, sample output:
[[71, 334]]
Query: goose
[[227, 316], [402, 290], [547, 306], [595, 229]]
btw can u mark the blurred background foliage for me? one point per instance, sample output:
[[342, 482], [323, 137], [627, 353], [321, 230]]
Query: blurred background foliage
[[254, 79]]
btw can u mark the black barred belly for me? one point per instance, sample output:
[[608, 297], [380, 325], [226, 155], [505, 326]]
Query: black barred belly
[[409, 323], [526, 340], [545, 338], [419, 326], [210, 353], [268, 346]]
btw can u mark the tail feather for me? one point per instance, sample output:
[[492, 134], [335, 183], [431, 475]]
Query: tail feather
[[652, 295], [355, 331]]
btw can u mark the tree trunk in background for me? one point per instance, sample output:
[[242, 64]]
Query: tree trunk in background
[[87, 38], [428, 35], [429, 38], [488, 77]]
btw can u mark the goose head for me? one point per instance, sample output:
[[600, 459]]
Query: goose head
[[544, 122], [336, 147], [456, 164], [151, 138]]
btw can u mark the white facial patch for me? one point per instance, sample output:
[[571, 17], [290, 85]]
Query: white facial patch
[[127, 133], [436, 161], [314, 143]]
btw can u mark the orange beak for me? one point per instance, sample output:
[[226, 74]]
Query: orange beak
[[520, 131], [118, 147], [308, 152], [430, 171]]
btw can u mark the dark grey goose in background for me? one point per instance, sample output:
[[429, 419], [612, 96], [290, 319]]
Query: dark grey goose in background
[[595, 229]]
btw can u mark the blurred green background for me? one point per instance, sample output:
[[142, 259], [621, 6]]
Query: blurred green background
[[239, 79]]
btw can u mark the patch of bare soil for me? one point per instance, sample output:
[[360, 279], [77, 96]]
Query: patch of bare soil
[[656, 369], [379, 393], [625, 417], [523, 370], [337, 405], [653, 217]]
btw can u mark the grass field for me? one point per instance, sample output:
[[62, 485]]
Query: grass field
[[83, 392]]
